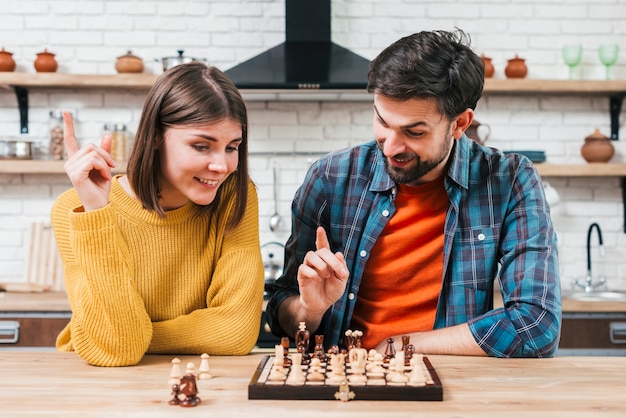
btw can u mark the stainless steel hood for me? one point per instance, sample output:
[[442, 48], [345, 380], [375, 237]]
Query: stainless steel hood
[[308, 59]]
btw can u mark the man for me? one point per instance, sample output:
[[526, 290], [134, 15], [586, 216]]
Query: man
[[406, 235]]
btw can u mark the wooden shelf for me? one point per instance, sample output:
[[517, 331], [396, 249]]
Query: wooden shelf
[[582, 170], [145, 81], [38, 167], [545, 169]]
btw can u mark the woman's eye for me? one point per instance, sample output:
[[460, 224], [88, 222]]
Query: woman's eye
[[200, 147], [232, 149]]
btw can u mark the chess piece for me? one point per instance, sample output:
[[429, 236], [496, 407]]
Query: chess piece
[[175, 393], [175, 373], [390, 351], [344, 394], [405, 342], [284, 342], [315, 371], [398, 375], [350, 340], [204, 368], [416, 377], [408, 354], [188, 389], [296, 375], [319, 348], [191, 369]]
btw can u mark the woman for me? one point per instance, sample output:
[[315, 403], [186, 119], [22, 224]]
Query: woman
[[165, 259]]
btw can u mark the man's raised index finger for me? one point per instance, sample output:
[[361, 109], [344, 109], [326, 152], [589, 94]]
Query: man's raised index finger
[[321, 240], [69, 137]]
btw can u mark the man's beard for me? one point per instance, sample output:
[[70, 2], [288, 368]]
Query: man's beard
[[418, 170]]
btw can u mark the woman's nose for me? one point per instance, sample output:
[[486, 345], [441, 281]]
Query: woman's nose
[[218, 163]]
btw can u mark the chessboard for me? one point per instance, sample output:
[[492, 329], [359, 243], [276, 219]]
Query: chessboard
[[271, 380]]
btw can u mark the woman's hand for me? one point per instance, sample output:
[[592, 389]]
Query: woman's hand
[[89, 168]]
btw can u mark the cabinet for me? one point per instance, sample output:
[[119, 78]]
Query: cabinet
[[586, 333], [31, 329], [32, 319]]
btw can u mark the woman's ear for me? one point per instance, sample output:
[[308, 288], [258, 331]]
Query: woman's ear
[[463, 121]]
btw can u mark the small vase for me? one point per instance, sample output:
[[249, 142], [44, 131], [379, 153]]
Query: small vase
[[489, 68], [7, 63], [129, 63], [45, 62], [597, 148], [516, 68]]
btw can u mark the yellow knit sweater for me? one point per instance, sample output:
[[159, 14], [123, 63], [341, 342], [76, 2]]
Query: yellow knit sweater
[[140, 284]]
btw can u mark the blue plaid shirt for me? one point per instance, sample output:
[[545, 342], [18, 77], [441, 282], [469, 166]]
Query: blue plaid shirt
[[497, 227]]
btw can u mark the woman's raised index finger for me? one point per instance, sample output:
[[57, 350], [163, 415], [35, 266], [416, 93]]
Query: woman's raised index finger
[[71, 145]]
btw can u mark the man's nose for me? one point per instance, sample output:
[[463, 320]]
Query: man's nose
[[392, 144]]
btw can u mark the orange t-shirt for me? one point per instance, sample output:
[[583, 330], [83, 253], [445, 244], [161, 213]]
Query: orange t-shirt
[[402, 280]]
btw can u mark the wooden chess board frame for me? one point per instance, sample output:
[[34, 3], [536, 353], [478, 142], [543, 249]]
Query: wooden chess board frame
[[259, 389]]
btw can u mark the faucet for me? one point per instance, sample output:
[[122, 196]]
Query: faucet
[[588, 284]]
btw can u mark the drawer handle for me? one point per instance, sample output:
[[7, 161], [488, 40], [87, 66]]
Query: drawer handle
[[617, 332], [9, 332]]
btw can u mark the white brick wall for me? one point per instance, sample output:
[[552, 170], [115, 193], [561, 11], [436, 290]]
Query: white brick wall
[[87, 36]]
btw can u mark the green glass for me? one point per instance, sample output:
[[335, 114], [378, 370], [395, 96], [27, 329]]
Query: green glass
[[572, 55], [608, 56]]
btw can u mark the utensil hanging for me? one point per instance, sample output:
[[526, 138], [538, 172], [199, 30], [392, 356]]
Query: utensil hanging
[[275, 218]]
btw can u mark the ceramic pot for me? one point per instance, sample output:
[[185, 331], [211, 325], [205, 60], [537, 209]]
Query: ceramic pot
[[489, 68], [597, 148], [7, 63], [516, 68], [45, 62], [129, 63]]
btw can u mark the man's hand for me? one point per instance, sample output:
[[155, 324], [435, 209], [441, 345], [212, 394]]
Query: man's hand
[[322, 276]]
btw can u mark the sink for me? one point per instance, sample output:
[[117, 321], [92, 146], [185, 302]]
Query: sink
[[604, 296]]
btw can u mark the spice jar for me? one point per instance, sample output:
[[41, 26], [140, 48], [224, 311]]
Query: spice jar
[[119, 141], [516, 68], [597, 148], [7, 63], [56, 148], [489, 68], [45, 62]]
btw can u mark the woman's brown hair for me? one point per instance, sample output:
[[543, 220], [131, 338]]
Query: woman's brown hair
[[190, 94]]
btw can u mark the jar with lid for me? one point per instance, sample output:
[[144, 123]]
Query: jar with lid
[[119, 140], [56, 148]]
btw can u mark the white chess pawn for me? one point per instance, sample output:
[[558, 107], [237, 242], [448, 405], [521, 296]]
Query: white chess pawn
[[204, 368], [175, 373]]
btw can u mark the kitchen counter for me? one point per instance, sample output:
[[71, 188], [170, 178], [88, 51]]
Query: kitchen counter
[[62, 384], [57, 301], [34, 302]]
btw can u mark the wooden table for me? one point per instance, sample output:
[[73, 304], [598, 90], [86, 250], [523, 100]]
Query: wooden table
[[62, 384]]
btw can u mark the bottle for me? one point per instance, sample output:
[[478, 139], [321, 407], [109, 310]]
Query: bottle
[[118, 142], [56, 149]]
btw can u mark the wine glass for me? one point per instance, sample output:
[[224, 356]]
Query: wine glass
[[608, 55], [572, 55]]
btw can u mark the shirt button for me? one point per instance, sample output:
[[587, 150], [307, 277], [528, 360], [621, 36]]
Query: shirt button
[[385, 213], [481, 237], [351, 296], [363, 253]]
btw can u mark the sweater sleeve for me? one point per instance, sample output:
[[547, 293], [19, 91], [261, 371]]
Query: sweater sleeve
[[229, 325], [109, 325]]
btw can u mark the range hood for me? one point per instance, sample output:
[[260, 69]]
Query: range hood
[[308, 59]]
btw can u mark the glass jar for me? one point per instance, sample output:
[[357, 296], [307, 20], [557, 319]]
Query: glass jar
[[56, 148], [119, 140]]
